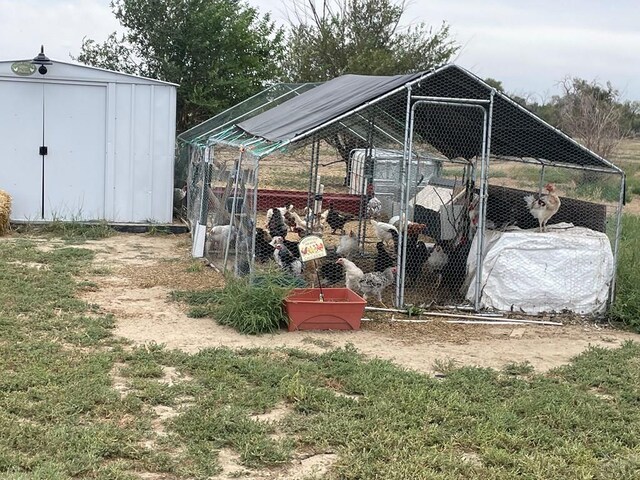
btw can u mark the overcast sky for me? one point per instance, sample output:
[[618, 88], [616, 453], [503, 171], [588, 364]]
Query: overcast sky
[[528, 45]]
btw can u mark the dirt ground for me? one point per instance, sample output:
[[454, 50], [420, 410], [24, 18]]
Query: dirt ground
[[133, 275]]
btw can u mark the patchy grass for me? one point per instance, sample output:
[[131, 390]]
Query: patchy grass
[[626, 307], [77, 403]]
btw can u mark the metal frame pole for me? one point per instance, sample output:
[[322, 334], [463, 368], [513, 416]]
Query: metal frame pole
[[616, 245], [408, 142]]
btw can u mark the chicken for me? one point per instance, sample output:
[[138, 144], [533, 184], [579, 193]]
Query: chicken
[[330, 271], [296, 223], [352, 273], [179, 201], [336, 219], [430, 218], [263, 248], [276, 225], [372, 283], [417, 254], [375, 282], [282, 210], [374, 207], [544, 206], [438, 259], [383, 258], [383, 230], [285, 259], [348, 245], [219, 234]]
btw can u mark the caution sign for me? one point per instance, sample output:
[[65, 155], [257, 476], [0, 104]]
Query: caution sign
[[311, 247]]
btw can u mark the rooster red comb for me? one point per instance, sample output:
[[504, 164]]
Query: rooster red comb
[[550, 187]]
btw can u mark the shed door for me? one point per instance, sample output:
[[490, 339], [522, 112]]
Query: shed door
[[20, 164], [75, 136]]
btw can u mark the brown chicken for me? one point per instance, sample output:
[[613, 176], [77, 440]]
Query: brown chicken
[[544, 206]]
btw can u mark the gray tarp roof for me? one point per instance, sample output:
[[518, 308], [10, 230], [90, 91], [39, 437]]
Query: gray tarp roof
[[515, 132], [327, 101]]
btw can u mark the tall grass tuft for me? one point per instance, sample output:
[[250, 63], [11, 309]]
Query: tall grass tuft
[[250, 306], [626, 307]]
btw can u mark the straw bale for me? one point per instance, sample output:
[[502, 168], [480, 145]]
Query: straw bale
[[5, 211]]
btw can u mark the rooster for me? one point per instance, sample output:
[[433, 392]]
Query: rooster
[[544, 206]]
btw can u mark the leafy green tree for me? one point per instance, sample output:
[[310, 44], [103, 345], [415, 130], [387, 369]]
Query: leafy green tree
[[329, 38], [219, 51]]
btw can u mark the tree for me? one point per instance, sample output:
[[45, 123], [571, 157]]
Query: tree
[[220, 52], [329, 38], [591, 113], [362, 37]]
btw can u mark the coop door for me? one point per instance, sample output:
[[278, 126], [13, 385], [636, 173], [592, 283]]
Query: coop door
[[20, 164], [52, 159], [74, 166]]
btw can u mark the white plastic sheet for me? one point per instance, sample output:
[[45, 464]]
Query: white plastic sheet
[[565, 269]]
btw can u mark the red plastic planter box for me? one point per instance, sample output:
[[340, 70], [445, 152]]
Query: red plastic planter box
[[341, 309]]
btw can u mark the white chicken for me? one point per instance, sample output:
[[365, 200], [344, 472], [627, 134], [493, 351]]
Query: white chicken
[[544, 206], [372, 283], [220, 234], [437, 260], [348, 245], [382, 230], [352, 273]]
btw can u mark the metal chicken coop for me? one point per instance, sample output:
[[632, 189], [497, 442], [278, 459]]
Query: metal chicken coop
[[465, 176]]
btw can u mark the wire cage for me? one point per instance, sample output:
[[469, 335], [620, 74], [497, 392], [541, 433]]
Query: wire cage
[[434, 189]]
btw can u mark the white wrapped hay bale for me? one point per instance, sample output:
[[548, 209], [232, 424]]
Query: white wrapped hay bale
[[5, 211]]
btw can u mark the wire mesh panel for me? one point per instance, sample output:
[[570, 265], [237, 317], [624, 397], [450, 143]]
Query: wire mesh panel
[[442, 216], [551, 236], [438, 191]]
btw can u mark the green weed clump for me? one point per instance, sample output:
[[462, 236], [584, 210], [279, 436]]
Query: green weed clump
[[250, 306], [626, 307]]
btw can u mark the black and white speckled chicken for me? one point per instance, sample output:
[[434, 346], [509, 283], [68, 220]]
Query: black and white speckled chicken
[[285, 259], [372, 283]]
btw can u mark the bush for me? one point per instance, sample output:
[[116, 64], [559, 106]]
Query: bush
[[626, 307]]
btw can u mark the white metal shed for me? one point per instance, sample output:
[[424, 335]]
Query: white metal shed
[[83, 143]]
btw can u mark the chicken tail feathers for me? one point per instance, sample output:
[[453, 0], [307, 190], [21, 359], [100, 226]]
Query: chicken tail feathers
[[529, 200]]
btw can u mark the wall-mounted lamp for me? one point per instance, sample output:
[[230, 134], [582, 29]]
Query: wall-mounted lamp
[[42, 60]]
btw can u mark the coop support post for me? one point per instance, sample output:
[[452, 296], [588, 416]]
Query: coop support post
[[408, 141], [311, 216], [234, 202], [616, 244], [484, 187], [200, 230], [254, 216]]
